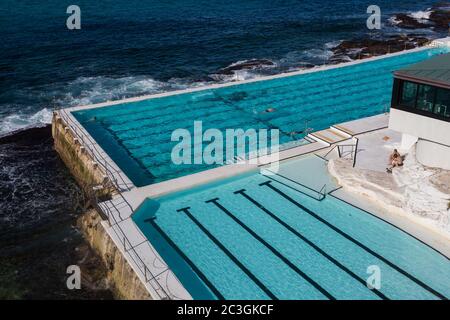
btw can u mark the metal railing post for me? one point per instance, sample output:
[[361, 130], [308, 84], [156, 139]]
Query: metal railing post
[[113, 223], [356, 151]]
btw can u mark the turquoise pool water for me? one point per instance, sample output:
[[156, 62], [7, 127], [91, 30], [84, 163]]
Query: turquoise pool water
[[254, 238], [137, 135]]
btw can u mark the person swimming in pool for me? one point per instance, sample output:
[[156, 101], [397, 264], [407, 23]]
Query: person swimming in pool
[[269, 110]]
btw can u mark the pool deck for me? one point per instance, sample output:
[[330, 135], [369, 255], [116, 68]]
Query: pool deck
[[151, 269], [405, 198]]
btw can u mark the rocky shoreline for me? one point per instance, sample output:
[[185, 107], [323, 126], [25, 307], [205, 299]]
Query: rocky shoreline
[[436, 19], [408, 36], [365, 48]]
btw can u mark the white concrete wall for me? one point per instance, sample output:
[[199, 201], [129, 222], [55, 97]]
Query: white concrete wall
[[408, 141], [433, 155], [420, 126]]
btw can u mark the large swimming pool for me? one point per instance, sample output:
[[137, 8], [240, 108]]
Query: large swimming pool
[[256, 237], [137, 135]]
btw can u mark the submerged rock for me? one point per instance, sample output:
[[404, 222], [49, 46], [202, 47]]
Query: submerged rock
[[246, 65], [406, 21], [437, 18], [440, 15], [366, 48]]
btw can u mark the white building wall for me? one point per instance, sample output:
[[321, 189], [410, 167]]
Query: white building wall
[[434, 151], [408, 141], [420, 126], [433, 155]]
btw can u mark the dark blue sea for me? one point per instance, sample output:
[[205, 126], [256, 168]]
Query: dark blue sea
[[129, 48]]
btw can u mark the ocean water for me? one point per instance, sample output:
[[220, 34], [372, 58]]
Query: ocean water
[[135, 48], [39, 206]]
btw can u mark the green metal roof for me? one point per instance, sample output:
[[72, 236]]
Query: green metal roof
[[435, 71]]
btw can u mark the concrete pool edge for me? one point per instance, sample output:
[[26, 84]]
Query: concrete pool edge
[[64, 121], [442, 42]]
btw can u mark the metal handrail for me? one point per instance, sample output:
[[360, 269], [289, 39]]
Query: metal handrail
[[356, 151], [101, 161], [93, 150], [324, 189], [114, 224], [338, 146], [341, 153]]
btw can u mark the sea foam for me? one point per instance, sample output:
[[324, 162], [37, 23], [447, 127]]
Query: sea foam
[[421, 15], [19, 121]]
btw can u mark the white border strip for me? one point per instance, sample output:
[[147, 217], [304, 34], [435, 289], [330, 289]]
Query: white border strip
[[95, 148]]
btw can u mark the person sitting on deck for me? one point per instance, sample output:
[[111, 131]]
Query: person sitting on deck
[[395, 160]]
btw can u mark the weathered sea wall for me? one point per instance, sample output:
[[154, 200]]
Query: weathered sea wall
[[85, 170], [123, 280]]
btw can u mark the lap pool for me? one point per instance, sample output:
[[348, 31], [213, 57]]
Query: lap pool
[[261, 237], [137, 135]]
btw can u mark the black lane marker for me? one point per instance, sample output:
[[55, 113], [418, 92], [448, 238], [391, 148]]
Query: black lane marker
[[272, 249], [228, 253], [310, 243], [348, 237], [331, 193], [188, 261]]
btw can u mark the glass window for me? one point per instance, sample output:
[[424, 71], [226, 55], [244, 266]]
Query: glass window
[[425, 98], [442, 105], [408, 96]]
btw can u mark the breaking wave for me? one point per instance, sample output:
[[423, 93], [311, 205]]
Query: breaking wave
[[421, 15], [90, 90], [394, 20], [19, 121], [83, 91]]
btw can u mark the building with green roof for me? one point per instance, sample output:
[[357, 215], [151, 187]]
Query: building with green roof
[[420, 109]]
